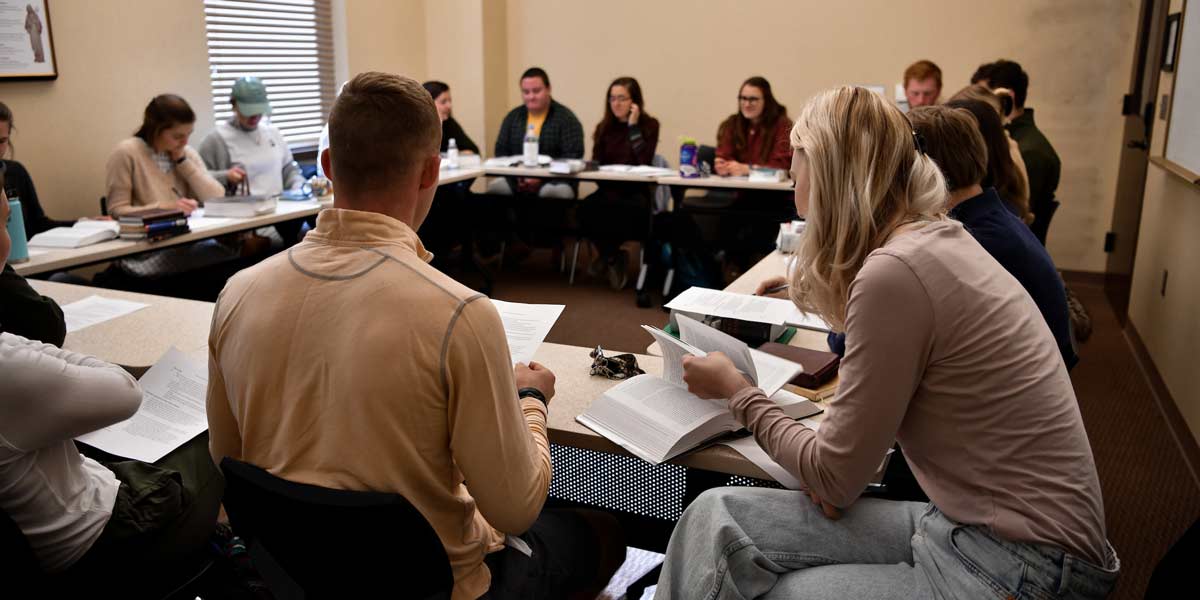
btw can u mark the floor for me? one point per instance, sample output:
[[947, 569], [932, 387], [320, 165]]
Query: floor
[[1150, 497]]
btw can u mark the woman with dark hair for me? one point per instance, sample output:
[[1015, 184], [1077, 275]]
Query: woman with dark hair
[[619, 211], [18, 185], [755, 135], [156, 167], [451, 130], [1006, 169]]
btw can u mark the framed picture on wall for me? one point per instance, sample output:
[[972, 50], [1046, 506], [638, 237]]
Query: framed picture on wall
[[1171, 42], [26, 46]]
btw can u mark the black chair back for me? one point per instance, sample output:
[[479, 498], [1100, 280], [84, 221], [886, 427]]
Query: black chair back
[[313, 542], [21, 571]]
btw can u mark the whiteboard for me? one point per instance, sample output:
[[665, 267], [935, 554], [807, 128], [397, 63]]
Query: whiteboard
[[1183, 137]]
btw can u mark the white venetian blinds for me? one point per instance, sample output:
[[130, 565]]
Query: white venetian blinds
[[286, 43]]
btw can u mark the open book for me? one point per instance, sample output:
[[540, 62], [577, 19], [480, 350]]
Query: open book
[[84, 232], [657, 418]]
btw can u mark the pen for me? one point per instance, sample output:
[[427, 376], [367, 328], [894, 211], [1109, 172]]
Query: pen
[[775, 290]]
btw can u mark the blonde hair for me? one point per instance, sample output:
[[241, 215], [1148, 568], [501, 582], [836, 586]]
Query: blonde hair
[[866, 178], [380, 128]]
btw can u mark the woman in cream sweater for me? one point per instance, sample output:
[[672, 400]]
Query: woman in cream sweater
[[156, 167]]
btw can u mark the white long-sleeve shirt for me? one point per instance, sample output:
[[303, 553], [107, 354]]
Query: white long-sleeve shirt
[[59, 498]]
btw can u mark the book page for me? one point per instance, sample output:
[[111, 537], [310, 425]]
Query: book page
[[673, 351], [710, 339], [679, 410], [172, 411], [773, 372]]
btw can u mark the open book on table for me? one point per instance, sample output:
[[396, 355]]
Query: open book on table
[[657, 418]]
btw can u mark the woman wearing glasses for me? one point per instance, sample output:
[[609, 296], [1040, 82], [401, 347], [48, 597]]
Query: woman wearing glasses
[[619, 211], [755, 135]]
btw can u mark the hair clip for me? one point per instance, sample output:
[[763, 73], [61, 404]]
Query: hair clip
[[918, 142]]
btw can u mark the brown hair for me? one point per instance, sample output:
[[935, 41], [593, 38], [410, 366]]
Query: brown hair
[[922, 70], [635, 94], [953, 141], [739, 127], [1002, 172], [381, 126], [164, 112], [6, 116]]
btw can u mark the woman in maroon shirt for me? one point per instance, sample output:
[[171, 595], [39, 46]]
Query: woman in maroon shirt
[[619, 211], [755, 135]]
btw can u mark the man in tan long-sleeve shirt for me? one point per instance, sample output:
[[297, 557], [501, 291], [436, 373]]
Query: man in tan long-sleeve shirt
[[350, 363]]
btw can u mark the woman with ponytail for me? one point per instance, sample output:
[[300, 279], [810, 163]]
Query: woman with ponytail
[[948, 356]]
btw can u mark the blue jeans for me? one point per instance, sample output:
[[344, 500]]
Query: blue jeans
[[752, 543]]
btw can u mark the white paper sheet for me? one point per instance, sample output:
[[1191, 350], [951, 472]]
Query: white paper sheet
[[760, 309], [754, 453], [198, 222], [526, 326], [172, 411], [97, 309]]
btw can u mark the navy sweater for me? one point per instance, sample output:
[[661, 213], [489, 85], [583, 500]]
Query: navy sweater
[[1014, 246]]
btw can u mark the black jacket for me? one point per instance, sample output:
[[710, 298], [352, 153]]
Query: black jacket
[[26, 313], [18, 185]]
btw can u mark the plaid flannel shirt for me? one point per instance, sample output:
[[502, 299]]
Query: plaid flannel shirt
[[561, 137]]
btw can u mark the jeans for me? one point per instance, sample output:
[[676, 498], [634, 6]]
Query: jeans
[[752, 543]]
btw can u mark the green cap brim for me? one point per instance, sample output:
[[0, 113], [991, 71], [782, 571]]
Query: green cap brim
[[253, 109]]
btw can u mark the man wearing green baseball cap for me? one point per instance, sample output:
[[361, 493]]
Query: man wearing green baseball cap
[[251, 157]]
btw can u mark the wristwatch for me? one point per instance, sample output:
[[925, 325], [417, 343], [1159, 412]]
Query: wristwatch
[[530, 392]]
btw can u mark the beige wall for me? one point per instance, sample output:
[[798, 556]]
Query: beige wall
[[690, 58], [113, 57], [1169, 324], [386, 35], [479, 47]]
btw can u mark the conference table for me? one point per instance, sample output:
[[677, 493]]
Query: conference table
[[137, 340], [49, 260]]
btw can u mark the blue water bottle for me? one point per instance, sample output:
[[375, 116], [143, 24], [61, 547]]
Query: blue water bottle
[[16, 231]]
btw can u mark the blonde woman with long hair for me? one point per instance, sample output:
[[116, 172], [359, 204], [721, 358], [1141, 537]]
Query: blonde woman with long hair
[[948, 356]]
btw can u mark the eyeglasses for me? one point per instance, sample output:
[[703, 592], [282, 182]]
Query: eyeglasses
[[618, 98], [621, 366], [749, 99]]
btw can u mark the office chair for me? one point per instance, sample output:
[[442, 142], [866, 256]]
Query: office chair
[[312, 542]]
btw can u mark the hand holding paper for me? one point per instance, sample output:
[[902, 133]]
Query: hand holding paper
[[713, 376]]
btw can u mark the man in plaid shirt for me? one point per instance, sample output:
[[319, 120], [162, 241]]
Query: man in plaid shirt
[[559, 135]]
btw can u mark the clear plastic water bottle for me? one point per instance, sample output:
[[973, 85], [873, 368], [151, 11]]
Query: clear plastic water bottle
[[530, 156], [452, 154]]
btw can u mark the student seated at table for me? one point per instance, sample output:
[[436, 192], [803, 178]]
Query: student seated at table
[[451, 130], [743, 223], [451, 220], [316, 376], [619, 211], [1041, 161], [243, 153], [23, 311], [756, 135], [922, 83], [1011, 182], [18, 185], [558, 131], [94, 523], [156, 168], [947, 355]]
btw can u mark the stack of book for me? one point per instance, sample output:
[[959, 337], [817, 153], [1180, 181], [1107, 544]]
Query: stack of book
[[153, 224]]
